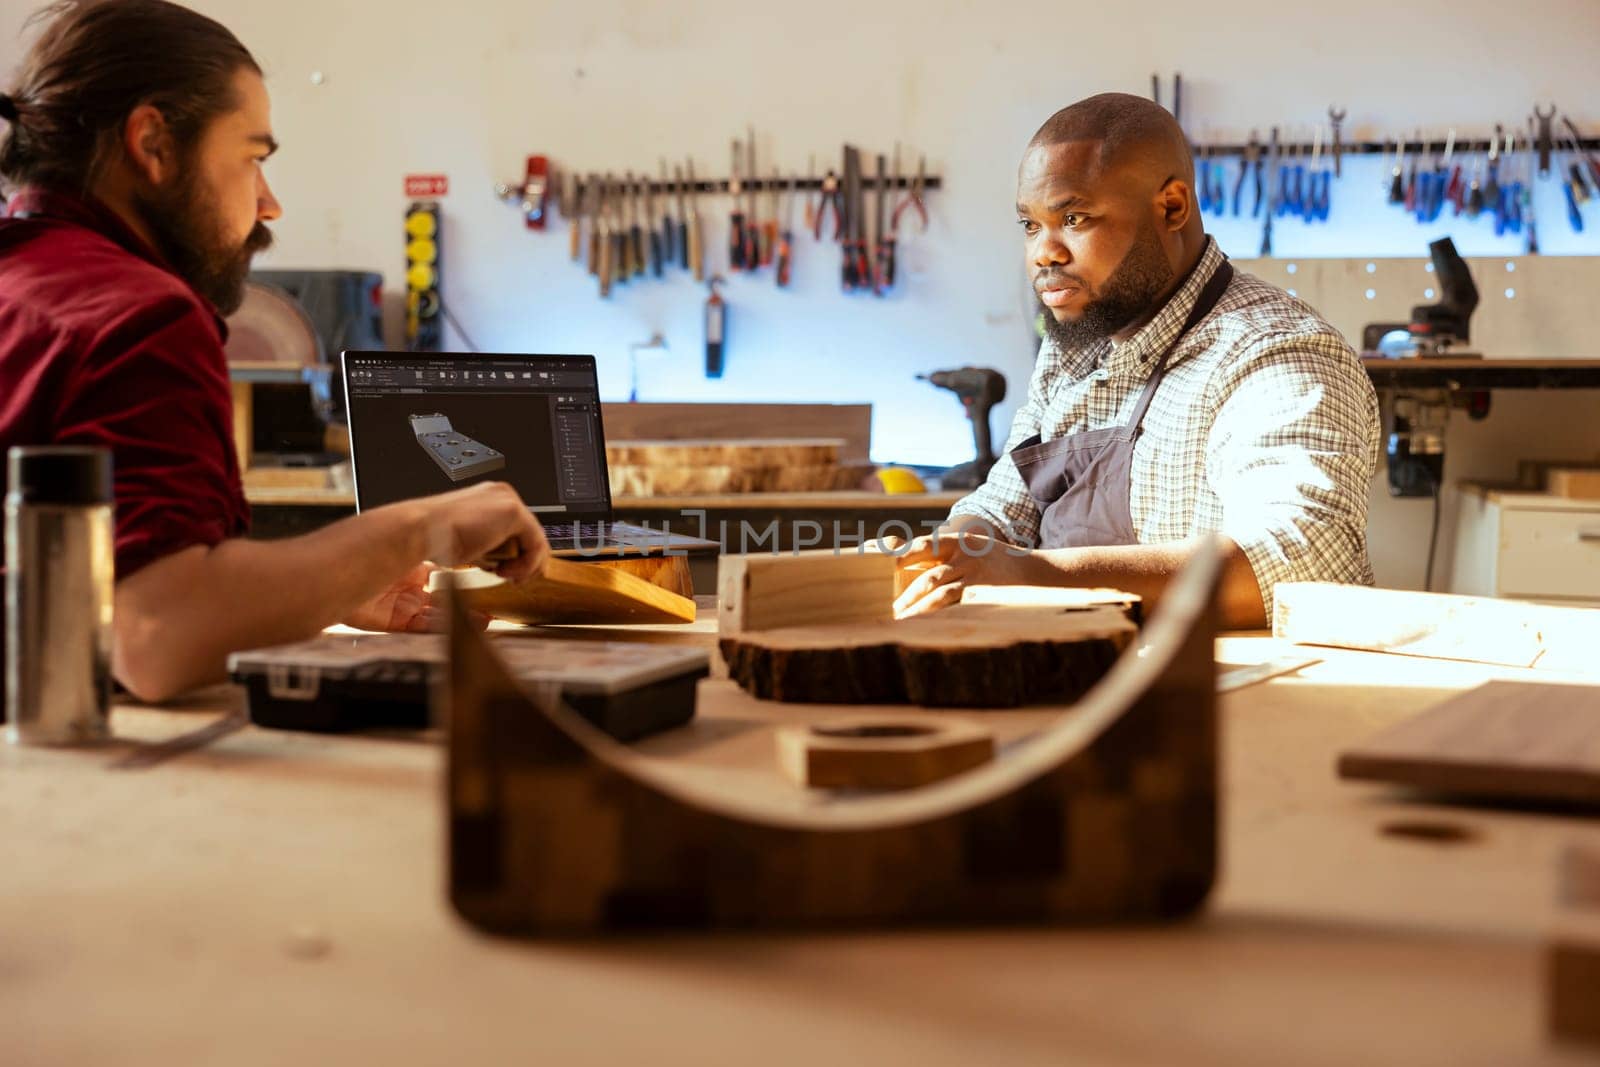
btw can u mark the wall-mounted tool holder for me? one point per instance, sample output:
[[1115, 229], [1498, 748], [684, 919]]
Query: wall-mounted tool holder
[[1286, 176], [629, 226]]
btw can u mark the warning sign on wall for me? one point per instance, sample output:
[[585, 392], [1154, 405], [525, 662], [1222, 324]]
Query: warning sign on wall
[[428, 186]]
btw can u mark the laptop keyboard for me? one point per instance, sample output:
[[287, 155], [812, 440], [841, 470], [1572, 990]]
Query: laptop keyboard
[[569, 531]]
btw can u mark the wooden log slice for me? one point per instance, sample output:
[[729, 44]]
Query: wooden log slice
[[970, 655]]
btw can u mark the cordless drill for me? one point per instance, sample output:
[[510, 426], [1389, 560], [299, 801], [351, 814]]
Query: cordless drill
[[980, 389]]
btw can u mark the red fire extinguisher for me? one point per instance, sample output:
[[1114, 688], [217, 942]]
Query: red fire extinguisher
[[716, 328]]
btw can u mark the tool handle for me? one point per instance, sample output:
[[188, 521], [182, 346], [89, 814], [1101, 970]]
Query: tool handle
[[885, 265], [736, 241], [785, 258], [683, 243], [769, 241], [669, 234], [594, 250], [636, 235], [574, 240], [847, 268], [656, 266], [694, 244], [621, 257], [752, 245], [1580, 187], [1574, 214], [602, 260]]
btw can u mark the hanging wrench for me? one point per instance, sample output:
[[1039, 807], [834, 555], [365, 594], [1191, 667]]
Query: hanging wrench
[[1543, 139], [1336, 118]]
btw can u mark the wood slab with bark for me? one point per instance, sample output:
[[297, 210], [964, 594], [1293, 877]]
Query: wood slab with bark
[[969, 655]]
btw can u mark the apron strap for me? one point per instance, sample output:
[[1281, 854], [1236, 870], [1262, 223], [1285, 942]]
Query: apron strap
[[1204, 304]]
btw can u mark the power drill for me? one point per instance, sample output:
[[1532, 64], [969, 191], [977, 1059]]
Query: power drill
[[980, 389]]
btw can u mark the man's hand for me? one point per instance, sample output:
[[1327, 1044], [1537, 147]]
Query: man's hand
[[486, 523], [407, 607], [946, 563]]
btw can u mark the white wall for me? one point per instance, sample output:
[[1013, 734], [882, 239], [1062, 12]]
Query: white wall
[[471, 88]]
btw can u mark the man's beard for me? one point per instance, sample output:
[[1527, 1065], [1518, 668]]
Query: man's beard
[[187, 228], [1128, 295]]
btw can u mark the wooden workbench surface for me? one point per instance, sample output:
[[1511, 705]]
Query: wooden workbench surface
[[279, 898]]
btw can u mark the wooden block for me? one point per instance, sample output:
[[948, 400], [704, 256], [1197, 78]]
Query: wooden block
[[1574, 483], [573, 593], [767, 591], [1478, 629], [850, 422], [969, 655], [1507, 741], [1572, 954], [739, 453], [881, 754]]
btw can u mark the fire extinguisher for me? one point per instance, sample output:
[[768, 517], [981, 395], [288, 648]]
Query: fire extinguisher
[[716, 328]]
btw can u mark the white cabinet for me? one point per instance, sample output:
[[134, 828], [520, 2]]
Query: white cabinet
[[1529, 545]]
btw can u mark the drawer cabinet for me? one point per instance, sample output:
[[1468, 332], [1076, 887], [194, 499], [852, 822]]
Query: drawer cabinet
[[1528, 545]]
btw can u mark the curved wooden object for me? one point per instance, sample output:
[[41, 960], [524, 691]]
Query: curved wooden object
[[1109, 813]]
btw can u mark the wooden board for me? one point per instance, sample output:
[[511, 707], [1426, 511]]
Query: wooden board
[[850, 422], [630, 480], [784, 589], [969, 655], [739, 453], [1573, 483], [1513, 741], [1477, 629], [575, 593]]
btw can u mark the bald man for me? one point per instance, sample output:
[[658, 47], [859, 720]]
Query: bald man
[[1174, 397]]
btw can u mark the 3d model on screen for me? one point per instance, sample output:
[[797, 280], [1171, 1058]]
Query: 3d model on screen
[[459, 456]]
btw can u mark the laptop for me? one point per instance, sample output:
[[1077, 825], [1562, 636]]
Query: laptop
[[423, 423]]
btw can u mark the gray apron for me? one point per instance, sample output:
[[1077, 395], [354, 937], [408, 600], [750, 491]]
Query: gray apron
[[1082, 482]]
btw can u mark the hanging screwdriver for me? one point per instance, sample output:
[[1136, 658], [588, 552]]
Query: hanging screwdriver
[[785, 253], [1252, 153], [603, 244], [884, 253], [752, 229], [669, 229], [693, 235], [657, 268], [886, 246], [1397, 181], [736, 216], [574, 213], [769, 226], [636, 233], [597, 199], [683, 218]]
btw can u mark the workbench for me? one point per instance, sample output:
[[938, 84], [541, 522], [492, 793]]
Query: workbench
[[278, 897]]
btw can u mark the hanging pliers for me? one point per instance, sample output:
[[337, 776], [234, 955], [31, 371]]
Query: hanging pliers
[[913, 197], [829, 197]]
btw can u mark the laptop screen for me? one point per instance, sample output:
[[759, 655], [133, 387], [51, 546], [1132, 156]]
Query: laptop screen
[[426, 423]]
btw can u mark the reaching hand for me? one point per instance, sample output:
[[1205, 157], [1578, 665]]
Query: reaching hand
[[946, 563], [487, 524]]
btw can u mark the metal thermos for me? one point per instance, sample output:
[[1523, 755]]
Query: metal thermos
[[59, 575]]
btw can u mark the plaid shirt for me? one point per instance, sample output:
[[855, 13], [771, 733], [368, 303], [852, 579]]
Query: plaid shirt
[[1265, 428]]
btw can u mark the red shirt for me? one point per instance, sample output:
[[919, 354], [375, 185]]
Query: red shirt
[[101, 344]]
